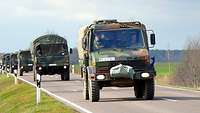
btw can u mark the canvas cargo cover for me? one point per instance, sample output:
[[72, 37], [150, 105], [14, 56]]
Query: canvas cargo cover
[[49, 39]]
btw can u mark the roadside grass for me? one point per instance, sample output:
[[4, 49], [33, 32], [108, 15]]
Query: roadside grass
[[166, 69], [164, 73], [21, 99]]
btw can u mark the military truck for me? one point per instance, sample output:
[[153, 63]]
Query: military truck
[[25, 61], [1, 64], [6, 62], [14, 62], [50, 56], [113, 53]]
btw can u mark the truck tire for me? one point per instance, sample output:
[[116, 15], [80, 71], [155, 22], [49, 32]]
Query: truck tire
[[20, 73], [65, 76], [85, 90], [85, 85], [12, 70], [94, 91], [139, 88], [149, 89]]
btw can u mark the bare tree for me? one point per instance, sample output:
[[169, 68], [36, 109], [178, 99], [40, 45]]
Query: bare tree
[[188, 72]]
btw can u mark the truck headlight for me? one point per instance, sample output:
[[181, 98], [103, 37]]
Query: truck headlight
[[15, 71], [65, 67], [40, 68], [101, 77], [145, 75]]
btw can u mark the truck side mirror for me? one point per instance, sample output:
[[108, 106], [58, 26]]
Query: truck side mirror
[[153, 39], [70, 50]]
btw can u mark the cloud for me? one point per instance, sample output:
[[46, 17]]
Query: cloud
[[171, 19]]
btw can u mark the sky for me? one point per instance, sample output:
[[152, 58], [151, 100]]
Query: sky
[[22, 21]]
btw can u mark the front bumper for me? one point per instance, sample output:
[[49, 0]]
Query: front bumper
[[137, 75]]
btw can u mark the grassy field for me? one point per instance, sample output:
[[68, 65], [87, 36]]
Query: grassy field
[[21, 99], [165, 69]]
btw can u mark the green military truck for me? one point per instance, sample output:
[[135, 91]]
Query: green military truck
[[50, 56], [25, 61], [113, 53], [3, 62], [14, 62], [6, 62]]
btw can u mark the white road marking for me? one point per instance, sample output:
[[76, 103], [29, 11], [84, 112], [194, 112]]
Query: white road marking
[[167, 99], [74, 90], [66, 101], [177, 88], [115, 88], [58, 97]]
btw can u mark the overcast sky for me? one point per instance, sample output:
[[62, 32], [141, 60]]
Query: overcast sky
[[21, 21]]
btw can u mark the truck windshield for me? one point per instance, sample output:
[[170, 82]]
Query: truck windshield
[[120, 38], [51, 50], [14, 59], [25, 55]]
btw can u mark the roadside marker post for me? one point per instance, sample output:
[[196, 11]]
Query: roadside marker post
[[16, 80], [73, 71], [38, 88]]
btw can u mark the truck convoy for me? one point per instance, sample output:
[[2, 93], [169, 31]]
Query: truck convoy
[[113, 53], [50, 56], [26, 63]]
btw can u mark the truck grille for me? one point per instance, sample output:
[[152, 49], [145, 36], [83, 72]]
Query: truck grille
[[104, 67]]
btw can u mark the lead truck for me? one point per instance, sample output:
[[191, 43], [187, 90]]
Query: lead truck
[[113, 53]]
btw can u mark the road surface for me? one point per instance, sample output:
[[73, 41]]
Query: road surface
[[122, 100]]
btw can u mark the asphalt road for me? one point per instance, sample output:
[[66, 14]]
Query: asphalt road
[[122, 100]]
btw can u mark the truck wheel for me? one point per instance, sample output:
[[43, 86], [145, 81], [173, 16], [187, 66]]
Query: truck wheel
[[65, 76], [94, 91], [20, 73], [12, 70], [149, 89], [139, 88], [85, 90], [81, 72]]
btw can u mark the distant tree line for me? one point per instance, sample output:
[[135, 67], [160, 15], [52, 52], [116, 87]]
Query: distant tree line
[[167, 55]]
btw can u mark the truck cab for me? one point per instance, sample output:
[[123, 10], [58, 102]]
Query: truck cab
[[25, 61], [51, 56], [14, 62], [6, 62]]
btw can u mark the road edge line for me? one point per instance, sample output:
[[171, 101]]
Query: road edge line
[[64, 101], [182, 89]]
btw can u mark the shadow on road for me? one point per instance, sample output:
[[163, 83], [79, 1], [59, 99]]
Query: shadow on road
[[155, 99], [124, 99], [180, 98], [52, 81]]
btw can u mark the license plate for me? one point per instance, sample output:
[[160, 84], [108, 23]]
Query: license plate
[[52, 64]]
